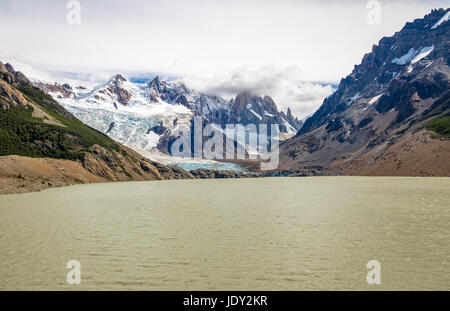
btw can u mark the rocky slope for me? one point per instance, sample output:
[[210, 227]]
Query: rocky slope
[[391, 115], [33, 125]]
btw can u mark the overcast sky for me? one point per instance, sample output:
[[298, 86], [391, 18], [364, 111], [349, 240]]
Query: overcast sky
[[278, 48]]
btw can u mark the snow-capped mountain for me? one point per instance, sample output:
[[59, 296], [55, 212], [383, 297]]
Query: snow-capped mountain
[[144, 116], [213, 109], [121, 109], [244, 109]]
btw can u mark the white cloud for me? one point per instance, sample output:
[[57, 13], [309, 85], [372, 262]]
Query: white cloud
[[208, 38], [283, 84]]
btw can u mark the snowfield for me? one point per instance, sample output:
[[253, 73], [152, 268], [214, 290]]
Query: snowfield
[[405, 59]]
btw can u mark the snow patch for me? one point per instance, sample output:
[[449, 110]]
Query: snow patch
[[374, 99], [152, 140], [424, 52], [443, 19], [352, 99], [413, 56], [403, 60], [395, 75], [289, 128], [255, 114]]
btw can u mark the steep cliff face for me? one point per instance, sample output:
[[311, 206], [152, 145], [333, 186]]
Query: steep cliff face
[[387, 101], [33, 125], [248, 109]]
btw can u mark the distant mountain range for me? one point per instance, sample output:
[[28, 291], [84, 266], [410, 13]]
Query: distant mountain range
[[145, 116], [391, 115]]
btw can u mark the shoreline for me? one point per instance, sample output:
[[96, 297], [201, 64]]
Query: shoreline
[[37, 186]]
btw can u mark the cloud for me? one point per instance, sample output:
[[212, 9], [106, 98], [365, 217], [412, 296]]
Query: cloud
[[198, 37], [283, 83], [228, 45]]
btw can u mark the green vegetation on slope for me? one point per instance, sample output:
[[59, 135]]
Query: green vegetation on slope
[[440, 125], [22, 134]]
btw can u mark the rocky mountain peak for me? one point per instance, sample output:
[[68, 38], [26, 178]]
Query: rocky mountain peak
[[155, 84], [289, 113], [158, 90], [117, 89], [119, 78], [10, 75], [418, 47], [248, 108], [396, 90]]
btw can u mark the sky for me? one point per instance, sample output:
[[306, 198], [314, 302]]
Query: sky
[[293, 51]]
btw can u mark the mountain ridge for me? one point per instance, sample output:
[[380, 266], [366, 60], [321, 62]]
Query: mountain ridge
[[385, 107]]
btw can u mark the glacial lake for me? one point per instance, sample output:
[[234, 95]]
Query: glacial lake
[[314, 233]]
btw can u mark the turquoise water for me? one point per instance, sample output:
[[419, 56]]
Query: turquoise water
[[220, 166]]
